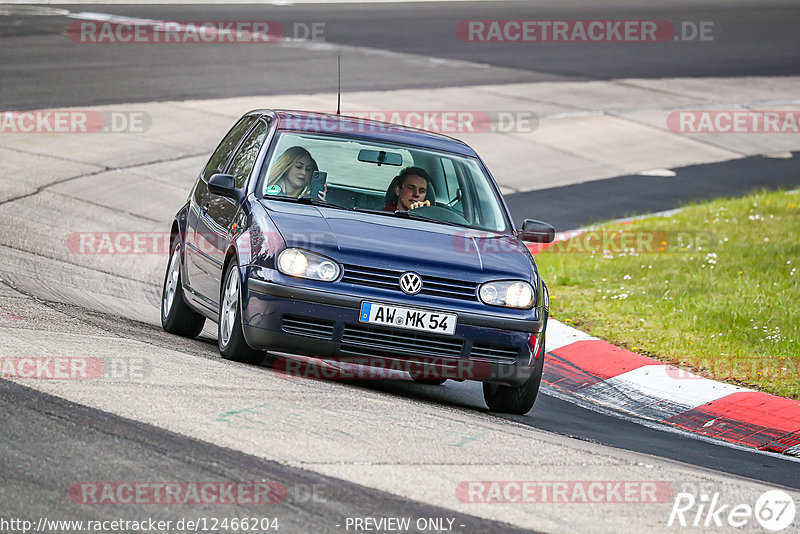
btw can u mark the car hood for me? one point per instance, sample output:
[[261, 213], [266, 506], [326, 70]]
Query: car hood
[[397, 243]]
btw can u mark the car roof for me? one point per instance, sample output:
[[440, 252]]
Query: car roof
[[309, 121]]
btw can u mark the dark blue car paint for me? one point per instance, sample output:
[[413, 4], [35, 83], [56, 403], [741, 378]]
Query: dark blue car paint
[[265, 227]]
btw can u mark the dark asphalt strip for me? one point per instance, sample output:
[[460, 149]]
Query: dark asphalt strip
[[554, 415], [578, 205], [42, 68], [49, 444], [606, 427]]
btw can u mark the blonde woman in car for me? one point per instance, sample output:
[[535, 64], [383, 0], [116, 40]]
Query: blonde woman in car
[[292, 172]]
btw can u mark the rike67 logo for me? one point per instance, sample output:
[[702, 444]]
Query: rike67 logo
[[774, 510]]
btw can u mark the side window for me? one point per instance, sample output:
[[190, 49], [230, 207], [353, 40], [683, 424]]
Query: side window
[[244, 160], [223, 152], [200, 189]]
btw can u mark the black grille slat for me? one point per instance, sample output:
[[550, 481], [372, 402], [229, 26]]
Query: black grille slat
[[393, 341], [308, 327], [494, 353], [373, 272], [443, 288], [447, 294], [371, 352], [368, 282], [402, 345], [431, 285], [452, 284], [355, 275]]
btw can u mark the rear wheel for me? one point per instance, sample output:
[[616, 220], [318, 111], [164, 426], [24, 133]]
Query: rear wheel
[[232, 345], [176, 316], [515, 399]]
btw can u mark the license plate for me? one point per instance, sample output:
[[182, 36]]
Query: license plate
[[409, 318]]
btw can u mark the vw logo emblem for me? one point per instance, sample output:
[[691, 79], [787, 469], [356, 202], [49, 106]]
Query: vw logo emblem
[[410, 283]]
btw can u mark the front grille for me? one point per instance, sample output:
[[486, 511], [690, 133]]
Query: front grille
[[307, 327], [388, 279], [493, 353], [363, 276], [377, 341]]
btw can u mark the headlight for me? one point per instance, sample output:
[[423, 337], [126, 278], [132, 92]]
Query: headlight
[[510, 294], [305, 264]]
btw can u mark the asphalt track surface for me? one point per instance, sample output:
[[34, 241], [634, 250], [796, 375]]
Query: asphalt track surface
[[109, 445], [40, 69], [579, 205]]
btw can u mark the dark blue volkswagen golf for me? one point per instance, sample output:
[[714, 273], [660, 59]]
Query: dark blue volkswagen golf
[[345, 239]]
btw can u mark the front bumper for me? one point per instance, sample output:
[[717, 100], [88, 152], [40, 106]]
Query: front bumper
[[326, 325]]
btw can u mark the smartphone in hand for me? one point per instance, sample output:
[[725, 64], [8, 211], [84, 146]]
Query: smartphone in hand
[[317, 183]]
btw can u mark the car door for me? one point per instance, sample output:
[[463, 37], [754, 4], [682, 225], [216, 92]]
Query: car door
[[200, 246], [221, 211]]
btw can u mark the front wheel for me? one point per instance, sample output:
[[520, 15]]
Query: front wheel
[[232, 345], [176, 316], [515, 399]]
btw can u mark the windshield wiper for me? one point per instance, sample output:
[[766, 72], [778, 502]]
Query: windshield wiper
[[376, 212], [319, 202], [408, 215], [306, 200]]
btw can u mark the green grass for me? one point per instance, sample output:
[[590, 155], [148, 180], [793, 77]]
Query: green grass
[[714, 289]]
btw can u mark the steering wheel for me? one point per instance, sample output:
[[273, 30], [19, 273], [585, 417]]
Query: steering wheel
[[441, 213]]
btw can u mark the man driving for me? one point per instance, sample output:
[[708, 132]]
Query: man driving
[[410, 188]]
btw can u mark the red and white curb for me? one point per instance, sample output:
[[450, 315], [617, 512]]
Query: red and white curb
[[604, 374]]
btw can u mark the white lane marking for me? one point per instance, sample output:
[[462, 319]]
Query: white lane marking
[[29, 11], [658, 173], [279, 3]]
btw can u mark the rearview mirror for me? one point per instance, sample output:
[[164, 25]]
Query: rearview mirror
[[380, 157], [535, 231], [223, 185]]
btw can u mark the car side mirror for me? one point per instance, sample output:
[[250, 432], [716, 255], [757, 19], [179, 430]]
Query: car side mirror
[[223, 185], [535, 231]]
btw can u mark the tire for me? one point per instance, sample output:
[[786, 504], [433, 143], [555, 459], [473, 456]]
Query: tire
[[515, 399], [176, 316], [230, 338], [429, 381]]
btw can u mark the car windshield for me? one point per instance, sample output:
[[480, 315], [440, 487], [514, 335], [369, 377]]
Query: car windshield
[[365, 175]]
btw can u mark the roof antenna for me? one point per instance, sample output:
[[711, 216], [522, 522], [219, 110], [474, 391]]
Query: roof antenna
[[339, 91]]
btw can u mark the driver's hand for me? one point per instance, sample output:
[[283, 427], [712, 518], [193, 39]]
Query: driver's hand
[[324, 193], [419, 204]]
